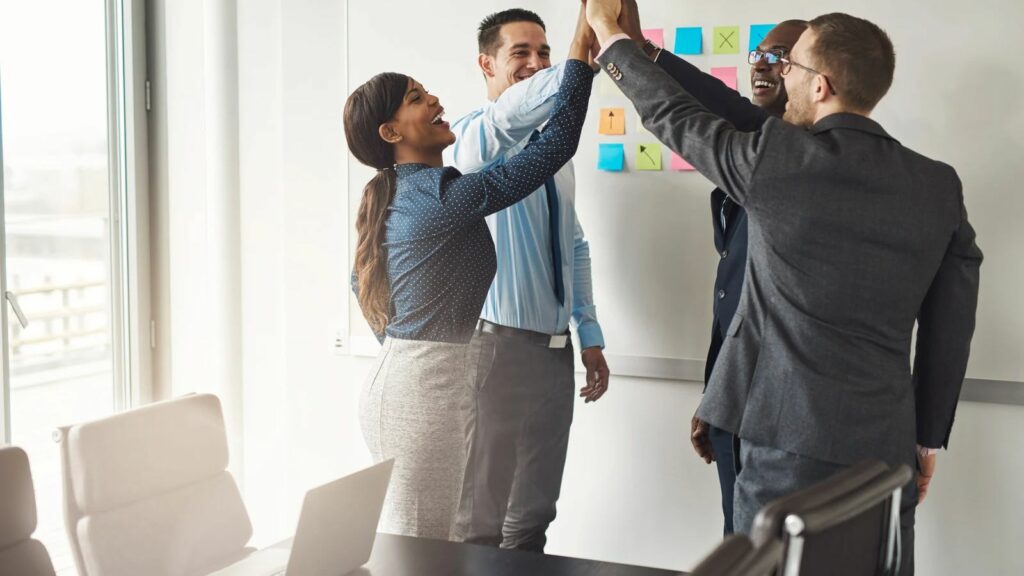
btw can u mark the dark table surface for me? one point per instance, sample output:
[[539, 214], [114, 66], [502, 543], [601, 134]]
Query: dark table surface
[[406, 556]]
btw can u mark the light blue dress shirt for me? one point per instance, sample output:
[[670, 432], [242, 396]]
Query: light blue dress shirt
[[523, 294]]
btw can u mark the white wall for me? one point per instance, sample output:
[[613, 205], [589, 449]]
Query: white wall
[[633, 491]]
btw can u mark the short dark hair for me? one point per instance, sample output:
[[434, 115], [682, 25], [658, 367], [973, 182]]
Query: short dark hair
[[857, 55], [488, 36]]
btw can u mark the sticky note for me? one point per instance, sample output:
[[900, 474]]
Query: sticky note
[[606, 86], [656, 35], [681, 165], [613, 121], [611, 157], [726, 40], [757, 34], [648, 157], [689, 40], [727, 75]]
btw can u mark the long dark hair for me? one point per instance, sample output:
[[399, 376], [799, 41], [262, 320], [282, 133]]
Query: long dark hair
[[371, 105]]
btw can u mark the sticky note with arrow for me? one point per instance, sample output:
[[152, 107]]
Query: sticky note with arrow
[[613, 121], [648, 157]]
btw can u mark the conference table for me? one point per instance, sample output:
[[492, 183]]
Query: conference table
[[406, 556]]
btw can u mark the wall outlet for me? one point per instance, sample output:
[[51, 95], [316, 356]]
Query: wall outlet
[[339, 344]]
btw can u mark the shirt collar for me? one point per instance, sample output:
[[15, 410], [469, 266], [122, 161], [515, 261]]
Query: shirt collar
[[404, 170], [848, 121]]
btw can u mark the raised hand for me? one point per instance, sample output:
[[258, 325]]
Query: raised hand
[[603, 16], [629, 21], [584, 40]]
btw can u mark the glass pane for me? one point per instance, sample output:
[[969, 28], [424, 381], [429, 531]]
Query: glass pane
[[53, 79]]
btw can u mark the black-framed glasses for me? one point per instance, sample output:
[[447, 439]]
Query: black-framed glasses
[[788, 64], [770, 57]]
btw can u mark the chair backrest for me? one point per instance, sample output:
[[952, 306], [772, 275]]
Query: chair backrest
[[147, 491], [737, 556], [846, 525], [20, 555]]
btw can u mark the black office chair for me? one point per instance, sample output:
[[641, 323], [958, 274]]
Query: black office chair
[[846, 525], [737, 556]]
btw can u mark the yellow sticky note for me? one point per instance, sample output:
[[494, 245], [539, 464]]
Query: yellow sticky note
[[726, 40], [613, 121], [648, 157]]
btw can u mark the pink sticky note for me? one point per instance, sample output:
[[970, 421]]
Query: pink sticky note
[[679, 164], [656, 35], [727, 75]]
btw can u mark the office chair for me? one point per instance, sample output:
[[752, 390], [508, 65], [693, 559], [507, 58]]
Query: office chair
[[147, 491], [845, 525], [20, 555]]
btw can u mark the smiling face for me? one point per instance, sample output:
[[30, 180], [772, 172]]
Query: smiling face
[[417, 129], [767, 88], [523, 52]]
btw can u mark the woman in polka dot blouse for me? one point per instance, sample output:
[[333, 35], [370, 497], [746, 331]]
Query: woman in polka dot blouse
[[424, 262]]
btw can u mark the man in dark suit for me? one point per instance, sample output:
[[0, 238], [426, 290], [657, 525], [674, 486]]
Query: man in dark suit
[[853, 239], [728, 220]]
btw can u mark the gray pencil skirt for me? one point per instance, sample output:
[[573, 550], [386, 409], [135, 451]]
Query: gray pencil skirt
[[414, 408]]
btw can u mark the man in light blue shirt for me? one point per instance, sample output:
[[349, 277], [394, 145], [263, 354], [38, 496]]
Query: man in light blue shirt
[[516, 445]]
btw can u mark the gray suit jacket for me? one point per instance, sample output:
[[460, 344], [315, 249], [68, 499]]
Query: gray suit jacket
[[853, 239]]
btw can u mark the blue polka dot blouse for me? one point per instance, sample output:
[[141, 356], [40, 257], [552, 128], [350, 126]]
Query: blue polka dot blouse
[[440, 256]]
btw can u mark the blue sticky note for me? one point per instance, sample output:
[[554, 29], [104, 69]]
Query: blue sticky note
[[689, 40], [611, 157], [757, 34]]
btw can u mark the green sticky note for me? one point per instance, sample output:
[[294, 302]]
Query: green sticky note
[[726, 40], [648, 157]]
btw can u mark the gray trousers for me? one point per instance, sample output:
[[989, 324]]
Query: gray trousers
[[516, 442], [768, 473]]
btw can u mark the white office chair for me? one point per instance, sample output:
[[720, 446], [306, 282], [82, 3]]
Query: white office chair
[[147, 492], [20, 555]]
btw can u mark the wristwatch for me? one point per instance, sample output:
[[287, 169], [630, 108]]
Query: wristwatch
[[651, 49]]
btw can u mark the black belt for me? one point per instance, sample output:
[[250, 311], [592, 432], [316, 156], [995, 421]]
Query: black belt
[[538, 338]]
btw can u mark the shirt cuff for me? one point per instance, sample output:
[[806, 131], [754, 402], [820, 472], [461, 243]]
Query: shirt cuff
[[923, 451], [609, 42], [590, 335]]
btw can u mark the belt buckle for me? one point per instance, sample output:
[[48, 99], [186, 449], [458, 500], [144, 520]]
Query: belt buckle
[[558, 341]]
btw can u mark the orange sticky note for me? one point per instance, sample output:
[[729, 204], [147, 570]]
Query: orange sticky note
[[679, 164], [727, 75], [613, 121]]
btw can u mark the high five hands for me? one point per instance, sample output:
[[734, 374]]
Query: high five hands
[[603, 16]]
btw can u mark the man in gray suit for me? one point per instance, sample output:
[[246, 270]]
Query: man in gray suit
[[852, 239]]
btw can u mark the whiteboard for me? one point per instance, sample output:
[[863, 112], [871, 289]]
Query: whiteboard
[[957, 84]]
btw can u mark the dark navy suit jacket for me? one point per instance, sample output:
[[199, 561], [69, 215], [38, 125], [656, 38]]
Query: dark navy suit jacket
[[730, 242]]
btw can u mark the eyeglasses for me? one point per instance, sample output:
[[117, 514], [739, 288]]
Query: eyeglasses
[[788, 64], [771, 57]]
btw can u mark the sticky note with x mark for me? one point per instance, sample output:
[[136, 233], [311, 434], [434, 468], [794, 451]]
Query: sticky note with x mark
[[648, 157], [726, 40], [613, 121]]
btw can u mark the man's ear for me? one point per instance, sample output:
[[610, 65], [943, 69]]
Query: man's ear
[[486, 64], [821, 91], [388, 133]]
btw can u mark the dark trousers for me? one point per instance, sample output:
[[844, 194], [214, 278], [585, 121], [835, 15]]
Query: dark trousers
[[516, 442], [724, 446], [768, 473]]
